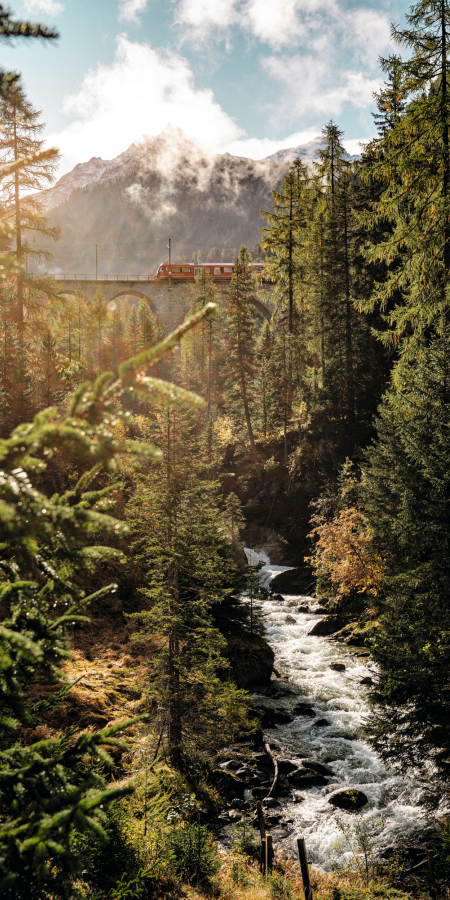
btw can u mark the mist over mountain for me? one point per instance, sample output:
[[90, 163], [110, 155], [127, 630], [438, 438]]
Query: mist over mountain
[[161, 187]]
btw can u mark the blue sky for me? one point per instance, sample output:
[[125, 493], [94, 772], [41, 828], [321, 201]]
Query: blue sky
[[247, 76]]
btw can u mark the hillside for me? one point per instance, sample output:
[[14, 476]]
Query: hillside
[[161, 187]]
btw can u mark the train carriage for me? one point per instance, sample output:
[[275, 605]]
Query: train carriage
[[189, 271]]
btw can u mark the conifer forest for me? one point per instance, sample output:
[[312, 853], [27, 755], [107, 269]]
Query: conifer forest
[[170, 720]]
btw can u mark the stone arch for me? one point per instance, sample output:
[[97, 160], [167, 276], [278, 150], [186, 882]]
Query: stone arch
[[129, 292], [133, 293], [262, 308]]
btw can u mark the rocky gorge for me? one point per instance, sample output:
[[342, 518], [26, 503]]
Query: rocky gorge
[[310, 765]]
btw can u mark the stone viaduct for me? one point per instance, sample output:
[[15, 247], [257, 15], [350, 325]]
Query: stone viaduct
[[169, 303]]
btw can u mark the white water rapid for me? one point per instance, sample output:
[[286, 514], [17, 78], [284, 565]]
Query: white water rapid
[[303, 662]]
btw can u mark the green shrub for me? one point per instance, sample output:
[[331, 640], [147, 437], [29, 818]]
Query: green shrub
[[104, 862], [194, 853], [238, 873], [280, 887], [244, 837]]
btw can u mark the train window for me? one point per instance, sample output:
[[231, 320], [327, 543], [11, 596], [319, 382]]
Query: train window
[[197, 271], [216, 270], [176, 268], [186, 269], [258, 268], [228, 268]]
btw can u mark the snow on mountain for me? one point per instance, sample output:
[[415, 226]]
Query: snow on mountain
[[303, 151], [307, 152], [80, 176]]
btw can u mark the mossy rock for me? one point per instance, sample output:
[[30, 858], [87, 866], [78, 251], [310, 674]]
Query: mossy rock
[[350, 799], [251, 660]]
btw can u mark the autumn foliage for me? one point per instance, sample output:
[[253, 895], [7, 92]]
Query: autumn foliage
[[345, 553]]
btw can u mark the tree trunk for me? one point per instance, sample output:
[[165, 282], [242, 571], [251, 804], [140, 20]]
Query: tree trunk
[[19, 253]]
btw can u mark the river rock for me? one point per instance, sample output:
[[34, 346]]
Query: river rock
[[286, 765], [251, 660], [294, 581], [262, 760], [236, 803], [271, 717], [304, 779], [321, 723], [366, 681], [338, 667], [350, 799], [303, 609], [229, 784], [318, 767], [234, 815], [231, 765], [278, 598], [327, 626], [271, 803], [298, 798], [304, 709], [259, 792], [290, 620]]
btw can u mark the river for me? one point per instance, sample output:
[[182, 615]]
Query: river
[[303, 662]]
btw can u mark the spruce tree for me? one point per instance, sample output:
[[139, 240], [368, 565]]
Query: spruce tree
[[240, 340], [179, 544], [52, 789], [412, 164]]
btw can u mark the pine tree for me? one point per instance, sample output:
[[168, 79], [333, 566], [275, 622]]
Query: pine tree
[[240, 338], [405, 492], [412, 164], [20, 139], [188, 564]]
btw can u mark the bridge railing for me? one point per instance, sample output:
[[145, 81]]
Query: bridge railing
[[66, 277]]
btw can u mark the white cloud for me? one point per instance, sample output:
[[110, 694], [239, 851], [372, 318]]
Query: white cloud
[[285, 22], [201, 17], [138, 94], [129, 9], [367, 31], [44, 7], [312, 85]]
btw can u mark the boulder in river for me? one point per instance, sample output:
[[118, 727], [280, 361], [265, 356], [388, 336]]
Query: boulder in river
[[350, 799], [271, 717], [286, 765], [338, 667], [251, 660], [278, 598], [303, 609], [271, 803], [321, 723], [318, 767], [366, 681], [327, 626], [304, 779], [304, 709], [294, 581], [259, 792], [290, 620]]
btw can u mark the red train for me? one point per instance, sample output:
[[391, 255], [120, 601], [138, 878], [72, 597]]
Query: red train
[[189, 271]]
